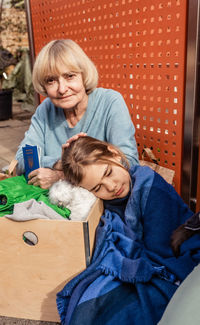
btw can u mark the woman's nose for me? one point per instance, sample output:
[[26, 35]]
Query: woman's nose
[[62, 85]]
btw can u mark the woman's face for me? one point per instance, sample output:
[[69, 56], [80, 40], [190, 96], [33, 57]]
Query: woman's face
[[106, 180], [67, 90]]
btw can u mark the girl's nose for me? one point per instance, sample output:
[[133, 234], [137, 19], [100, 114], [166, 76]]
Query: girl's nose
[[62, 85], [110, 185]]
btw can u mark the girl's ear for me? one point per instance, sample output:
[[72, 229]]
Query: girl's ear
[[115, 152]]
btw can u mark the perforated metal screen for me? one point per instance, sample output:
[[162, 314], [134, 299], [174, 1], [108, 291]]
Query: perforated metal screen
[[139, 49]]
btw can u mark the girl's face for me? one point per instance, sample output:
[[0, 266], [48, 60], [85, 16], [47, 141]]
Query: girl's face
[[106, 180], [66, 90]]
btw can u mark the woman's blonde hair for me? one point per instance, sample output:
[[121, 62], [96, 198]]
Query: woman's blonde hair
[[67, 53], [87, 151]]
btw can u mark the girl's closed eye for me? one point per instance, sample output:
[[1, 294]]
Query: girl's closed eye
[[109, 171], [97, 188]]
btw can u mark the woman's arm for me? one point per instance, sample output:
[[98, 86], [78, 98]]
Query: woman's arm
[[38, 134], [120, 130], [41, 129]]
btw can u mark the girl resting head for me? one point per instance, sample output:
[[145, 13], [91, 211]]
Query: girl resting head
[[96, 166]]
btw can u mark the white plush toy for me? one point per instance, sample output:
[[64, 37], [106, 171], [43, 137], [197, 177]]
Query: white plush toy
[[77, 199]]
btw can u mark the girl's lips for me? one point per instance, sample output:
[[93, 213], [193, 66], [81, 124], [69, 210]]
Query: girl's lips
[[120, 191]]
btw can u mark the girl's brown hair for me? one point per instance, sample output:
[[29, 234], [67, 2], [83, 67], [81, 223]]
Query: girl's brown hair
[[87, 151]]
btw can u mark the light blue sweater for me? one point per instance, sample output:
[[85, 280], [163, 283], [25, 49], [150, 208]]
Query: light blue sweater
[[106, 118]]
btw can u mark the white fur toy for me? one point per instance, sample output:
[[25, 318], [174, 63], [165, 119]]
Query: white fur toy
[[77, 199]]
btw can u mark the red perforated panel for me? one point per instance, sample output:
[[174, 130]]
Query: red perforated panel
[[139, 49]]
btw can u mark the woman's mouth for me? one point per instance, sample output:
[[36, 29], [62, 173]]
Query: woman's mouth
[[65, 97]]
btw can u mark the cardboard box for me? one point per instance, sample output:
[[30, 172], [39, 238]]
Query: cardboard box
[[31, 276]]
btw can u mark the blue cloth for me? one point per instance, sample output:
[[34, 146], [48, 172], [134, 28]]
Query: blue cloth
[[106, 114], [133, 273]]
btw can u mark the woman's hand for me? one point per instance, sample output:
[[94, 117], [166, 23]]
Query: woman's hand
[[44, 177], [58, 164], [74, 138]]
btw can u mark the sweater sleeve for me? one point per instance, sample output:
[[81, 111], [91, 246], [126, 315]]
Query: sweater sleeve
[[120, 130], [36, 136]]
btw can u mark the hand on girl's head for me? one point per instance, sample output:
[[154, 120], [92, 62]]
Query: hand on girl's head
[[74, 138]]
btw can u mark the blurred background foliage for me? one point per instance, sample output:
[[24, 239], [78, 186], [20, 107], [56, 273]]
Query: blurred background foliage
[[15, 67]]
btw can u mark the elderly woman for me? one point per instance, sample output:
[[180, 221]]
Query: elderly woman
[[68, 78]]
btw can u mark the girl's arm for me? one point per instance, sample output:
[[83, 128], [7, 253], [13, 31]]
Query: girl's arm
[[157, 207]]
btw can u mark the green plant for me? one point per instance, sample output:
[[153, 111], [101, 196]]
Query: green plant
[[19, 4], [6, 59]]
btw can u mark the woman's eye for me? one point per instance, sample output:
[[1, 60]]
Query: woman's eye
[[50, 81], [70, 75]]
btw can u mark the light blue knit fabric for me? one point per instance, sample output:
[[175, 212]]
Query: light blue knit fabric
[[106, 118]]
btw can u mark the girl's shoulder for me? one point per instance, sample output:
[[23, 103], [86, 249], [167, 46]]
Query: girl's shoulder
[[140, 170], [141, 176], [144, 176]]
